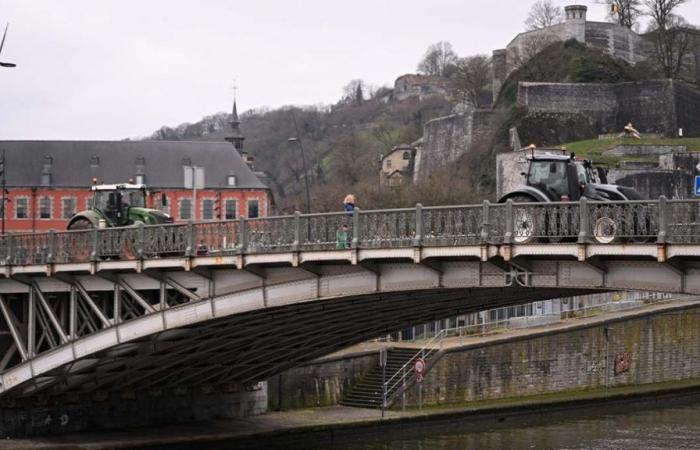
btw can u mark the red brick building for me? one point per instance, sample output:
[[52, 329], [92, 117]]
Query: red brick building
[[48, 181]]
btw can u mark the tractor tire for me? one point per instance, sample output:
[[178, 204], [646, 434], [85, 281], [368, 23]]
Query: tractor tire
[[77, 246], [525, 227], [81, 224]]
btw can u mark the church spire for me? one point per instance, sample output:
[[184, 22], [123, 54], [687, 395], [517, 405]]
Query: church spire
[[235, 137]]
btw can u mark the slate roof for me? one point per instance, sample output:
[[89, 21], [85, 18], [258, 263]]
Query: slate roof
[[73, 163]]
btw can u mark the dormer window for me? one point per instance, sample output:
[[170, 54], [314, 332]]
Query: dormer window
[[94, 161], [46, 171], [231, 180], [140, 179], [186, 162]]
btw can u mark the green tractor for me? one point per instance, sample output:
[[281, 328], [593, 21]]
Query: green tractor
[[118, 205]]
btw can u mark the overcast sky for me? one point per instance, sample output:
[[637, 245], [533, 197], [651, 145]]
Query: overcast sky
[[112, 69]]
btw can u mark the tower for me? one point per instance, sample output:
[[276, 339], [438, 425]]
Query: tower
[[576, 22], [236, 137]]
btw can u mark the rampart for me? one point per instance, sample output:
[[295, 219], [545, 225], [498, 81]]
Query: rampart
[[656, 106], [446, 139]]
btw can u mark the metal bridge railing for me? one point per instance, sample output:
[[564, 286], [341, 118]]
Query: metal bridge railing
[[662, 221]]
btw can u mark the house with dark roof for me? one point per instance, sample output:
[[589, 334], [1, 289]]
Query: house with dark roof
[[48, 181]]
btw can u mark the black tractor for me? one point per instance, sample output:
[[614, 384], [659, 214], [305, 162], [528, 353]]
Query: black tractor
[[555, 177]]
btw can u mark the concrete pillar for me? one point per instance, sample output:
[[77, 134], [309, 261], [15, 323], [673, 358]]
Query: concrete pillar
[[499, 65], [576, 22]]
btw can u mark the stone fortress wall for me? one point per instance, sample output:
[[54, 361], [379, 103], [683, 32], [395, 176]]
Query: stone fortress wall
[[615, 39], [656, 106]]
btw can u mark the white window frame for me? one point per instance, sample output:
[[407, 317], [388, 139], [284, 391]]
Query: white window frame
[[16, 208], [51, 215], [235, 208], [63, 207], [190, 213], [213, 207], [248, 201]]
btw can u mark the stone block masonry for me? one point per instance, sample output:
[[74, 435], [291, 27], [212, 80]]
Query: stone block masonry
[[656, 106], [654, 348], [633, 348], [446, 139]]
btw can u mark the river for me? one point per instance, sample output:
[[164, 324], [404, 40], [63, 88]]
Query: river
[[666, 428]]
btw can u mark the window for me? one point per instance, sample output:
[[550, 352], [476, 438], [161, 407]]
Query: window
[[231, 180], [185, 209], [407, 155], [388, 164], [253, 209], [45, 207], [207, 209], [140, 179], [231, 207], [67, 207], [22, 208]]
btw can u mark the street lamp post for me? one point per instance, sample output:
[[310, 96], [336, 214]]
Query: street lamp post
[[306, 175]]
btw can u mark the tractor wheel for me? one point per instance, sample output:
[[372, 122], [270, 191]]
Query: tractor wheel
[[525, 227], [79, 244], [605, 230], [80, 224]]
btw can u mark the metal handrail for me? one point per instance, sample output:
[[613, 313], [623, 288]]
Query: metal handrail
[[662, 221], [391, 385]]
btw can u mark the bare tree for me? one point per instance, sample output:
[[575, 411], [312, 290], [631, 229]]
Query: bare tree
[[472, 77], [543, 14], [529, 46], [623, 12], [438, 60], [354, 92], [671, 41]]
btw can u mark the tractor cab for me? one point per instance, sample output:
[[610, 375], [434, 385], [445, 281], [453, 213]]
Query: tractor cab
[[118, 205], [560, 177], [115, 200]]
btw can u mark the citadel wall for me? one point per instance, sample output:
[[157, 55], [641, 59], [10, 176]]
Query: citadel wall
[[656, 106]]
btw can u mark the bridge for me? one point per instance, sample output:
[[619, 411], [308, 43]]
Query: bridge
[[239, 301]]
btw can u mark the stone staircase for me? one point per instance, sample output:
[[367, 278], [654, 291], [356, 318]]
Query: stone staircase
[[367, 392]]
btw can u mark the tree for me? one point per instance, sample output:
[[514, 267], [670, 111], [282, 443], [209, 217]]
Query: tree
[[354, 92], [438, 60], [624, 12], [529, 46], [543, 14], [671, 41], [472, 77]]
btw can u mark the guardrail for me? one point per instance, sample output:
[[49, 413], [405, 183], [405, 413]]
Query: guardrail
[[662, 221]]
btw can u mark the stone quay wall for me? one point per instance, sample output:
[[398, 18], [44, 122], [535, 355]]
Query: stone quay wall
[[647, 347], [320, 383], [655, 348]]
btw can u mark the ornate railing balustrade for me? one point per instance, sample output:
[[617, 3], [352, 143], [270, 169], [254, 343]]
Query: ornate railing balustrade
[[661, 221]]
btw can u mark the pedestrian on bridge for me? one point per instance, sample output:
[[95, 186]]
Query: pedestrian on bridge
[[349, 203]]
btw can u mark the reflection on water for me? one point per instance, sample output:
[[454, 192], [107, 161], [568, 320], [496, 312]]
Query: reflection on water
[[632, 426], [670, 428]]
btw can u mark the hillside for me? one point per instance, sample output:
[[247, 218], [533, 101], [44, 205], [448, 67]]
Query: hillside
[[342, 143]]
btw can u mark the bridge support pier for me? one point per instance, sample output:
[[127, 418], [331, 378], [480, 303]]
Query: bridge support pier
[[103, 411]]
